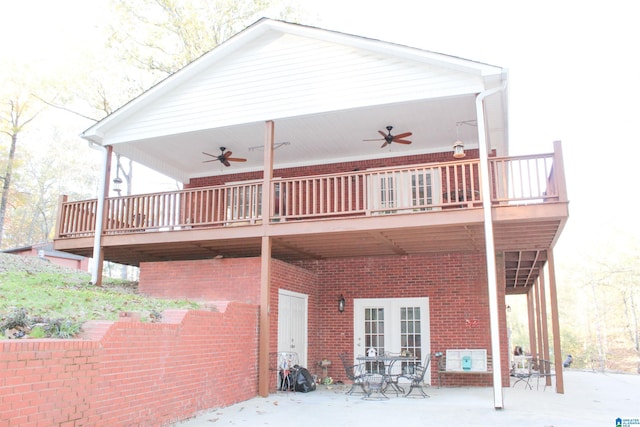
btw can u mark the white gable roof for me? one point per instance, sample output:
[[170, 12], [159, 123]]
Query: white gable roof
[[315, 84]]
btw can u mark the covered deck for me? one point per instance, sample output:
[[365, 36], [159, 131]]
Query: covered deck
[[386, 211]]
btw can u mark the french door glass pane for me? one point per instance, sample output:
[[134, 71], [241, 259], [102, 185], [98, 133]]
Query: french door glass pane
[[374, 335], [410, 331]]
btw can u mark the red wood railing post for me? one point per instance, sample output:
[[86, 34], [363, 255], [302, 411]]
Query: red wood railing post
[[558, 171], [62, 199]]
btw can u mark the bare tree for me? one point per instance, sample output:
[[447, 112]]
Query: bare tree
[[162, 36], [12, 123]]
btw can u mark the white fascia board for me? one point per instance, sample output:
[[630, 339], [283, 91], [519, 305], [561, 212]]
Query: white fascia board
[[147, 97], [97, 132], [389, 48]]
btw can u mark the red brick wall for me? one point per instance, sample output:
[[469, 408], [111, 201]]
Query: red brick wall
[[454, 282], [78, 264], [458, 303], [296, 279], [329, 168], [132, 373], [227, 279]]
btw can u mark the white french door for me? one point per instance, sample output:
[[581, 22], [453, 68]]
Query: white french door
[[404, 190], [392, 325], [244, 200], [292, 324]]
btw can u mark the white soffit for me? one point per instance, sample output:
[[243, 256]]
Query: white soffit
[[336, 89]]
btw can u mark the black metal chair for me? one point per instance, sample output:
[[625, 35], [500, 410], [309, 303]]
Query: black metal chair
[[356, 373], [523, 373], [374, 386], [394, 370], [544, 371], [417, 378]]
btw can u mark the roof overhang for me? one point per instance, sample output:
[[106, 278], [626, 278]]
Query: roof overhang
[[307, 131]]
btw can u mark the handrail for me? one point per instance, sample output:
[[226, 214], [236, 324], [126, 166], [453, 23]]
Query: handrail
[[415, 188], [523, 179]]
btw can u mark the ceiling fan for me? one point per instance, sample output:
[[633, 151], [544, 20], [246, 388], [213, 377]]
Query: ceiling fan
[[388, 138], [223, 157]]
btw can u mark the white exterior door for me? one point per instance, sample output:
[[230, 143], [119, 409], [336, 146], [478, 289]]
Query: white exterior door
[[292, 324], [392, 325], [401, 191]]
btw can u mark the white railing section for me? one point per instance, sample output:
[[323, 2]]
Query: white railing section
[[523, 179]]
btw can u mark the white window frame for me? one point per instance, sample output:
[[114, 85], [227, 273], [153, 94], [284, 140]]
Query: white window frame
[[392, 323], [396, 191]]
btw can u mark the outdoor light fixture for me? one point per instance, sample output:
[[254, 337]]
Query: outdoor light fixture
[[117, 182], [458, 146], [341, 303], [458, 150]]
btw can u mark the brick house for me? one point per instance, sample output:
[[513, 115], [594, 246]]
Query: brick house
[[45, 251], [321, 168]]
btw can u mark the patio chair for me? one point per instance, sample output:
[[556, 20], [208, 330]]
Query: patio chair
[[417, 377], [374, 386], [356, 373], [544, 371], [522, 371], [393, 371]]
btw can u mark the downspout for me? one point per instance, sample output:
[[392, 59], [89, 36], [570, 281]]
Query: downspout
[[492, 282], [96, 270]]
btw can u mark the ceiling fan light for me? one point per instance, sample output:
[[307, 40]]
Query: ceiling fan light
[[458, 150]]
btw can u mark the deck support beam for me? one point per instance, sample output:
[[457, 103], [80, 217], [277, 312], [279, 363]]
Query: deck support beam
[[533, 343], [555, 324], [265, 265], [103, 193]]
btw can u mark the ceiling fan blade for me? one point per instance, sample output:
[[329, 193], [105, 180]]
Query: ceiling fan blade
[[209, 161], [210, 155], [377, 139], [402, 141], [227, 154], [236, 159], [384, 135], [225, 162], [402, 135], [385, 144]]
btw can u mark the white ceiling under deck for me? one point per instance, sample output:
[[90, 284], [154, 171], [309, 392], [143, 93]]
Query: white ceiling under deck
[[331, 137]]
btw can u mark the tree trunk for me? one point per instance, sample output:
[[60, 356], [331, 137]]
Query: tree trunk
[[6, 185]]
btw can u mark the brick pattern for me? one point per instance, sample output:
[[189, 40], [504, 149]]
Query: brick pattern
[[331, 168], [148, 374], [458, 303], [132, 373], [227, 279], [454, 282]]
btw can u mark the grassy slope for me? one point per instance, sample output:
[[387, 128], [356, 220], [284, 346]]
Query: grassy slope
[[46, 291]]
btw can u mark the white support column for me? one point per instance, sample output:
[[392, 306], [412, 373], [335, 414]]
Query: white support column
[[492, 283]]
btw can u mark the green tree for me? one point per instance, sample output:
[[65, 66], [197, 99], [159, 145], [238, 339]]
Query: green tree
[[599, 313]]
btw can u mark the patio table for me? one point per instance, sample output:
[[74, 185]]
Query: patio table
[[389, 369]]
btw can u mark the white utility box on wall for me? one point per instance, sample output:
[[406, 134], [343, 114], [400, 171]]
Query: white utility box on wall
[[467, 360]]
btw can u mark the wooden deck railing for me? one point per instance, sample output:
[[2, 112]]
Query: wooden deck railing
[[440, 186], [523, 179]]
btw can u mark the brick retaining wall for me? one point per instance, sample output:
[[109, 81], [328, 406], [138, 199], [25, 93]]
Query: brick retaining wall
[[132, 373]]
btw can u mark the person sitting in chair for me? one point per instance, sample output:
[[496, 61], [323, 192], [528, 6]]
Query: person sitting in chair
[[518, 351], [567, 362]]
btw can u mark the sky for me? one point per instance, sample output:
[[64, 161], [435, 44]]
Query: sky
[[573, 69]]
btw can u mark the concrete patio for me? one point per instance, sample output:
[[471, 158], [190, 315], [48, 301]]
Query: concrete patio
[[590, 399]]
